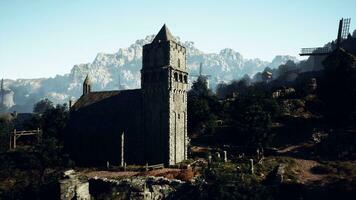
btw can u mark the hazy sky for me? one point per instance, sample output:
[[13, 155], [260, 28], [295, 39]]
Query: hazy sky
[[41, 38]]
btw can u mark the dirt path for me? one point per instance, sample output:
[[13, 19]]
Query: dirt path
[[303, 166], [306, 176], [165, 172], [293, 149]]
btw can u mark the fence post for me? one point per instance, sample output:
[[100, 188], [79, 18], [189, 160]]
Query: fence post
[[10, 138], [122, 163], [38, 135], [14, 139]]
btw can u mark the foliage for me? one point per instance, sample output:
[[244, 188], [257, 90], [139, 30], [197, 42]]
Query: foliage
[[52, 121], [5, 129], [251, 117], [42, 106], [235, 87], [233, 181], [203, 107]]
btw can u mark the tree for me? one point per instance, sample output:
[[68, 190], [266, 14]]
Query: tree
[[251, 117], [202, 107], [42, 106], [5, 129], [54, 121], [237, 87]]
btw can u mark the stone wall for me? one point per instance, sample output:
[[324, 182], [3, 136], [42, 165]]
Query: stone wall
[[73, 186], [93, 133], [143, 188], [178, 104]]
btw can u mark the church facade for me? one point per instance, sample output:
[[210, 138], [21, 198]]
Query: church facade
[[141, 126]]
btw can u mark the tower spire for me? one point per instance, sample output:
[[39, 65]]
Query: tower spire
[[164, 35], [86, 85]]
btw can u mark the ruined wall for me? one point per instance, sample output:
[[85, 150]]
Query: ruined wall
[[146, 188], [74, 186]]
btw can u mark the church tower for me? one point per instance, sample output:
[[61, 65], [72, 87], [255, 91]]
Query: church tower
[[164, 82]]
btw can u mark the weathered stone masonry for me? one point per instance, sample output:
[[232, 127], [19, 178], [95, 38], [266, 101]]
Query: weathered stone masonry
[[153, 118]]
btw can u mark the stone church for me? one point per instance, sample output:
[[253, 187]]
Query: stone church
[[139, 126]]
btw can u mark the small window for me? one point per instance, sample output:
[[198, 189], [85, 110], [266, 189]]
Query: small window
[[178, 63], [175, 76], [180, 78]]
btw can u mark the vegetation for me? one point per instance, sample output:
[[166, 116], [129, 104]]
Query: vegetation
[[5, 128], [241, 114], [249, 115], [203, 108], [23, 172], [42, 106]]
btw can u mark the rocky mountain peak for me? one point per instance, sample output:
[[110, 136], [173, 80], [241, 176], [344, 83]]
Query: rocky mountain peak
[[121, 70]]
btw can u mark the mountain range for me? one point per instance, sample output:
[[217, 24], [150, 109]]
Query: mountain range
[[121, 70]]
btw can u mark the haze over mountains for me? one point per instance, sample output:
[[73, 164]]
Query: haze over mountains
[[121, 70]]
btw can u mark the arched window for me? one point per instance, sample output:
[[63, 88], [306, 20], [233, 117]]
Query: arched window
[[175, 76], [180, 78], [185, 79]]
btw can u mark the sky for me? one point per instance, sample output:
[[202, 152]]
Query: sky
[[43, 38]]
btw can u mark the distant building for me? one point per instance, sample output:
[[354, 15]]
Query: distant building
[[6, 96], [147, 125], [266, 76]]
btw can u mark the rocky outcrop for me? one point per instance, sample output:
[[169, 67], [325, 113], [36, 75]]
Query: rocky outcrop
[[74, 186], [145, 188]]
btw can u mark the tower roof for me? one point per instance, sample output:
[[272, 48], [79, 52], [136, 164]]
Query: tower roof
[[164, 35], [87, 80]]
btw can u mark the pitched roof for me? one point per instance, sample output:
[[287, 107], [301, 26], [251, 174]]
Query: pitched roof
[[95, 97], [164, 35]]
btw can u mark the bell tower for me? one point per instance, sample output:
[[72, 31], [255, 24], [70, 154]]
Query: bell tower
[[164, 82]]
